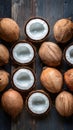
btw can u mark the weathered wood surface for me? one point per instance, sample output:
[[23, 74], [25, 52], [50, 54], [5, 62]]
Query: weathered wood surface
[[21, 11], [5, 119], [51, 10]]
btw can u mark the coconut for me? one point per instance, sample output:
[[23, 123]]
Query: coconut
[[51, 79], [23, 79], [68, 54], [4, 79], [38, 103], [12, 102], [63, 30], [50, 53], [64, 104], [37, 29], [4, 55], [68, 77], [22, 53], [9, 30]]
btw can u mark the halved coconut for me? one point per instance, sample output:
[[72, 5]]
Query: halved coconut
[[38, 103], [23, 79], [22, 53], [37, 29], [68, 54]]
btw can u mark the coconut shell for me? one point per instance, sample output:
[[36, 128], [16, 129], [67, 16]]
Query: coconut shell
[[34, 114], [18, 63], [68, 77], [64, 55], [12, 102], [64, 103], [9, 30], [4, 79], [29, 38], [52, 80], [51, 54], [4, 55], [63, 30], [15, 87]]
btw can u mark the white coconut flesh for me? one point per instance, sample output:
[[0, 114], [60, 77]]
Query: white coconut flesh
[[23, 53], [37, 29], [69, 54], [23, 79], [38, 103]]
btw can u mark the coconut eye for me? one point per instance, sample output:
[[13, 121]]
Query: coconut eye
[[37, 29], [68, 54], [23, 79], [23, 53], [38, 103]]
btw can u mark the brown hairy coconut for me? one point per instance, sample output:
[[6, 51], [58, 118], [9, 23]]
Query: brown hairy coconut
[[50, 54], [51, 79], [68, 77], [4, 55], [9, 30], [4, 79], [64, 103], [12, 102], [63, 30]]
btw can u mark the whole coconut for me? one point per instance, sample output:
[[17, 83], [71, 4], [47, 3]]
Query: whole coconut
[[51, 79], [50, 53], [68, 77], [64, 103], [9, 30], [4, 55], [4, 79], [12, 102], [63, 30]]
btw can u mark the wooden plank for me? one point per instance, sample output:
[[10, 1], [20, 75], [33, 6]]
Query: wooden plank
[[51, 10], [68, 13], [68, 9], [5, 8], [5, 119], [21, 11]]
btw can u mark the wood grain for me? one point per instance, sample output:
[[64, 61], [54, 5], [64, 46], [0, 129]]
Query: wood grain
[[5, 119], [51, 10], [21, 11]]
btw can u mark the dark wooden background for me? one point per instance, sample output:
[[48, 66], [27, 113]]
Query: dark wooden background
[[21, 11]]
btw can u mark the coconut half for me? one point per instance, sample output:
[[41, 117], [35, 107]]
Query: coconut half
[[23, 79], [22, 53], [38, 103], [68, 54], [37, 29]]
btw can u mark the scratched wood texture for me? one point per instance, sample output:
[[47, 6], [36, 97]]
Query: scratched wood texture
[[21, 11], [5, 119]]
